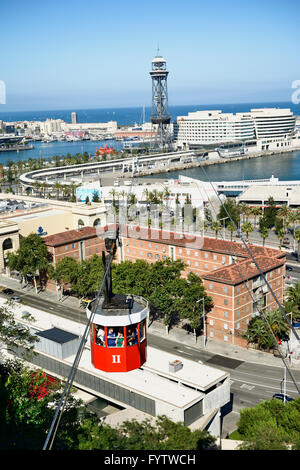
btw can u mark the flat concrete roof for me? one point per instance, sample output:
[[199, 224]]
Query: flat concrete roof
[[37, 215], [153, 380]]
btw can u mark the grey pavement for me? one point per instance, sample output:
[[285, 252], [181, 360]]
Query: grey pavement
[[156, 328]]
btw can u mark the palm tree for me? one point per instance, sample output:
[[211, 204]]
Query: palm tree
[[216, 227], [247, 228], [280, 235], [297, 238], [231, 229], [293, 300], [256, 212], [293, 217], [57, 186], [243, 209], [264, 233], [283, 213], [278, 323]]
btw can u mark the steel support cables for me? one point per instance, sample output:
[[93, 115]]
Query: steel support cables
[[66, 392], [63, 400]]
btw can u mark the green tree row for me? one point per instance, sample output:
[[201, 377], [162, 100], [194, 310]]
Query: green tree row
[[270, 425]]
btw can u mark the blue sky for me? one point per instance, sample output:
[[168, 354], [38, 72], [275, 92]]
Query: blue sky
[[75, 54]]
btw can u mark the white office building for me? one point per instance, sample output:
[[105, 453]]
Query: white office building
[[212, 128], [262, 129]]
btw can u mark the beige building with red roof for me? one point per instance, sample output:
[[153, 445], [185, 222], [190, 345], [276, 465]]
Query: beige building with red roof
[[229, 274], [78, 244]]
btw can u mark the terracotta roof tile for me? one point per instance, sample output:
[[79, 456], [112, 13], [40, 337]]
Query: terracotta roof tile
[[241, 271], [70, 236], [233, 248]]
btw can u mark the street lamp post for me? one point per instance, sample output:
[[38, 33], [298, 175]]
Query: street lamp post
[[204, 324], [224, 218]]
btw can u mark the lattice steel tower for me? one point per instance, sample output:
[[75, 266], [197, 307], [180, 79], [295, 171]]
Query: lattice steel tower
[[160, 109]]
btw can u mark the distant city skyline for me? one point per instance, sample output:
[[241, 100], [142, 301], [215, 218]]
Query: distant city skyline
[[98, 55]]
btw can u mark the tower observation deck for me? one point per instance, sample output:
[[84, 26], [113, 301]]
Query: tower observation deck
[[160, 109]]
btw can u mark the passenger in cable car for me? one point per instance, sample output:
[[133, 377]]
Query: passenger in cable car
[[129, 337], [135, 336], [120, 339], [111, 338], [100, 336]]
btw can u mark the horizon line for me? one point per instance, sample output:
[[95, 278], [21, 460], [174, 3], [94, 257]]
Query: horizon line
[[74, 109]]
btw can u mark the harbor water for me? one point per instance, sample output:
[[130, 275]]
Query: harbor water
[[285, 166]]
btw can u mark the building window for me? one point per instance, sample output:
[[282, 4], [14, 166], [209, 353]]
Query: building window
[[149, 255], [211, 334], [211, 322], [225, 289], [66, 247], [210, 287], [196, 264], [206, 255], [225, 314], [206, 266], [225, 302], [73, 245], [225, 326], [225, 338], [238, 326]]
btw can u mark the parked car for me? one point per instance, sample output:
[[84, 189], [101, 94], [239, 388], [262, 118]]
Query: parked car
[[281, 396], [8, 291], [289, 268], [15, 298]]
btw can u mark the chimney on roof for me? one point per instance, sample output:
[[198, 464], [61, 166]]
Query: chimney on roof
[[175, 365]]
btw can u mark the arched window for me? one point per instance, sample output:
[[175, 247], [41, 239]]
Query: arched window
[[7, 244], [96, 222], [80, 223]]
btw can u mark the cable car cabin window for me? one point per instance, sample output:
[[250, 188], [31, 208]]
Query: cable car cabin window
[[132, 335], [99, 335], [142, 330], [115, 337]]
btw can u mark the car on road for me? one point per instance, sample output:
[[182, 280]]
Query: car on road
[[282, 396], [289, 268], [15, 298], [8, 291]]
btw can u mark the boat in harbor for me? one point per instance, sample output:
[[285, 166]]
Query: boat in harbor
[[104, 150]]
